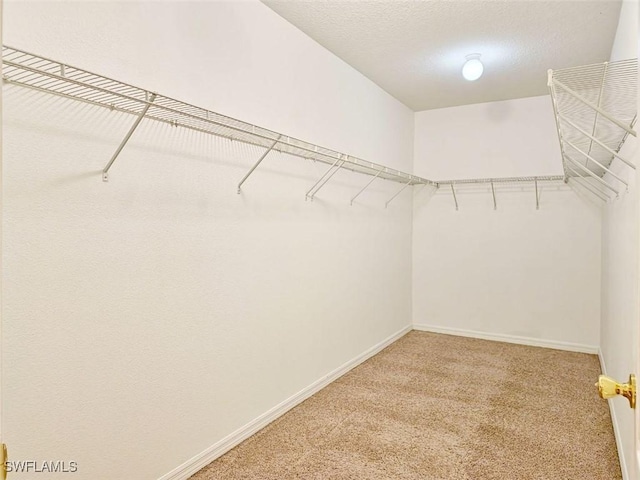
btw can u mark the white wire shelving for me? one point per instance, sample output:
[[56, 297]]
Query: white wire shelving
[[595, 111], [53, 77], [500, 180]]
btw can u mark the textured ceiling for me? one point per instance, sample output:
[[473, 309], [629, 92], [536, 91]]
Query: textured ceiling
[[415, 49]]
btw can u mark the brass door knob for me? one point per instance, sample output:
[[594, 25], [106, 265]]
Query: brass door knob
[[609, 388]]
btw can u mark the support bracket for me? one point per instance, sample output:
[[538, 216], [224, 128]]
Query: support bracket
[[556, 117], [365, 187], [587, 186], [105, 171], [595, 118], [493, 193], [610, 150], [398, 192], [617, 177], [255, 165], [455, 199], [333, 169], [590, 173]]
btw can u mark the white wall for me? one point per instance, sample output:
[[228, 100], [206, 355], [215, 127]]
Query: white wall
[[147, 318], [620, 312], [1, 237], [515, 271], [496, 139]]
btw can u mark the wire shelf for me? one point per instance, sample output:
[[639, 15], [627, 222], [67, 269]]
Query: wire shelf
[[46, 75], [595, 109], [545, 178], [49, 76]]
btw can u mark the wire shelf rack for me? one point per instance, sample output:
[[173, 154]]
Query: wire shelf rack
[[595, 110], [50, 76], [544, 178], [53, 77]]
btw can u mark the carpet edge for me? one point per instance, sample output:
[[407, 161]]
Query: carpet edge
[[221, 447], [500, 337]]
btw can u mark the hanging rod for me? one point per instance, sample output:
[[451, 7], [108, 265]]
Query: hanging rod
[[53, 77]]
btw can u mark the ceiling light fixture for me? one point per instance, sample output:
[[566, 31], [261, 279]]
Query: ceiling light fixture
[[473, 68]]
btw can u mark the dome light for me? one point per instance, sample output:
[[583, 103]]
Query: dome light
[[473, 68]]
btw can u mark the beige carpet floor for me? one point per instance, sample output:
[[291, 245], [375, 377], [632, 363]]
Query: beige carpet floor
[[441, 407]]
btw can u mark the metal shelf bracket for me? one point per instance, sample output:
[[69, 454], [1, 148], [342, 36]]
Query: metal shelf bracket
[[594, 139], [365, 187], [598, 163], [255, 165], [591, 174], [493, 193], [105, 171], [332, 170], [584, 184], [455, 199], [398, 192]]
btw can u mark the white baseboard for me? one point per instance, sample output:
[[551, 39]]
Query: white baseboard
[[499, 337], [218, 449], [616, 429]]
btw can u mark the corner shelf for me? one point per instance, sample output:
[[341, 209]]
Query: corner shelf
[[595, 108]]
